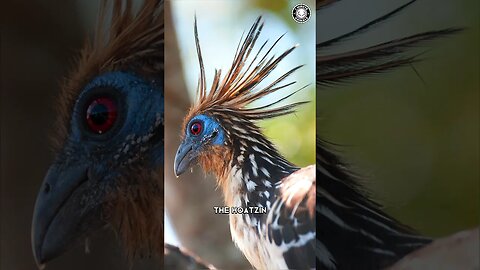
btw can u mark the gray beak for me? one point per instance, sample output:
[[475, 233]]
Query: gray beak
[[187, 153]]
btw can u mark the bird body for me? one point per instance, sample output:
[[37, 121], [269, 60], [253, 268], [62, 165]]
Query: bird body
[[222, 136], [258, 234]]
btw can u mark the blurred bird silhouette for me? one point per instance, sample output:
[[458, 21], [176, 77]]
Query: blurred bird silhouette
[[352, 230], [108, 167]]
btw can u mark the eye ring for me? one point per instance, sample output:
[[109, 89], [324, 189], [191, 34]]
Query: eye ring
[[196, 128]]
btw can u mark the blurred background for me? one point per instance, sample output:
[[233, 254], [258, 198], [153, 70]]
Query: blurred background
[[415, 140], [191, 197]]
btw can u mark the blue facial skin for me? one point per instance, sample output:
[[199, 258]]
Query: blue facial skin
[[86, 169], [192, 145], [209, 126]]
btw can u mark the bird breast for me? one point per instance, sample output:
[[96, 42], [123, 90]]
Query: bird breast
[[249, 233], [252, 241]]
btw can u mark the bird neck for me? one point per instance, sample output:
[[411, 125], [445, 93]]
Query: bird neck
[[135, 210], [255, 169]]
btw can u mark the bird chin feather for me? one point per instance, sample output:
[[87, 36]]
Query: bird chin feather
[[215, 159], [135, 211]]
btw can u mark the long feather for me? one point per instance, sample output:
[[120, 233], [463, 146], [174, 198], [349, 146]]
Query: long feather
[[335, 68], [324, 3], [239, 86]]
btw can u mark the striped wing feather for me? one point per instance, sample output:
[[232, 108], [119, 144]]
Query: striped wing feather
[[291, 221]]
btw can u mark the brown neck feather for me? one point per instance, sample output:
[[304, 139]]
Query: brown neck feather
[[216, 160], [135, 210]]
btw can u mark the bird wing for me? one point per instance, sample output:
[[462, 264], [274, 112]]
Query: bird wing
[[291, 220]]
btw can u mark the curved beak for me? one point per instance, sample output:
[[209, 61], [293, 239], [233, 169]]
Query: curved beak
[[61, 215], [186, 155]]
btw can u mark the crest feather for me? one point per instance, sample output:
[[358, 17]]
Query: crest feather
[[124, 39], [238, 87], [323, 3], [335, 68]]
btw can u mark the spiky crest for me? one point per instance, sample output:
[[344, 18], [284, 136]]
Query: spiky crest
[[238, 88]]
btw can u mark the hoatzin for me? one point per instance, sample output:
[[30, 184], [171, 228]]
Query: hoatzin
[[221, 134], [330, 224], [108, 167]]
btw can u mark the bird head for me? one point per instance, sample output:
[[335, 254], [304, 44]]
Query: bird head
[[221, 120], [110, 139], [203, 134]]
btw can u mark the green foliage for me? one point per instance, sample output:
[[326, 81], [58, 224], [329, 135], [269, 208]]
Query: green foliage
[[294, 135]]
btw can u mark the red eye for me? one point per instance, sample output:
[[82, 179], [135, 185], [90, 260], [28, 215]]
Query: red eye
[[196, 128], [101, 114]]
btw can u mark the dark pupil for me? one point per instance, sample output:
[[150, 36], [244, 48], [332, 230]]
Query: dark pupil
[[99, 114], [196, 128]]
